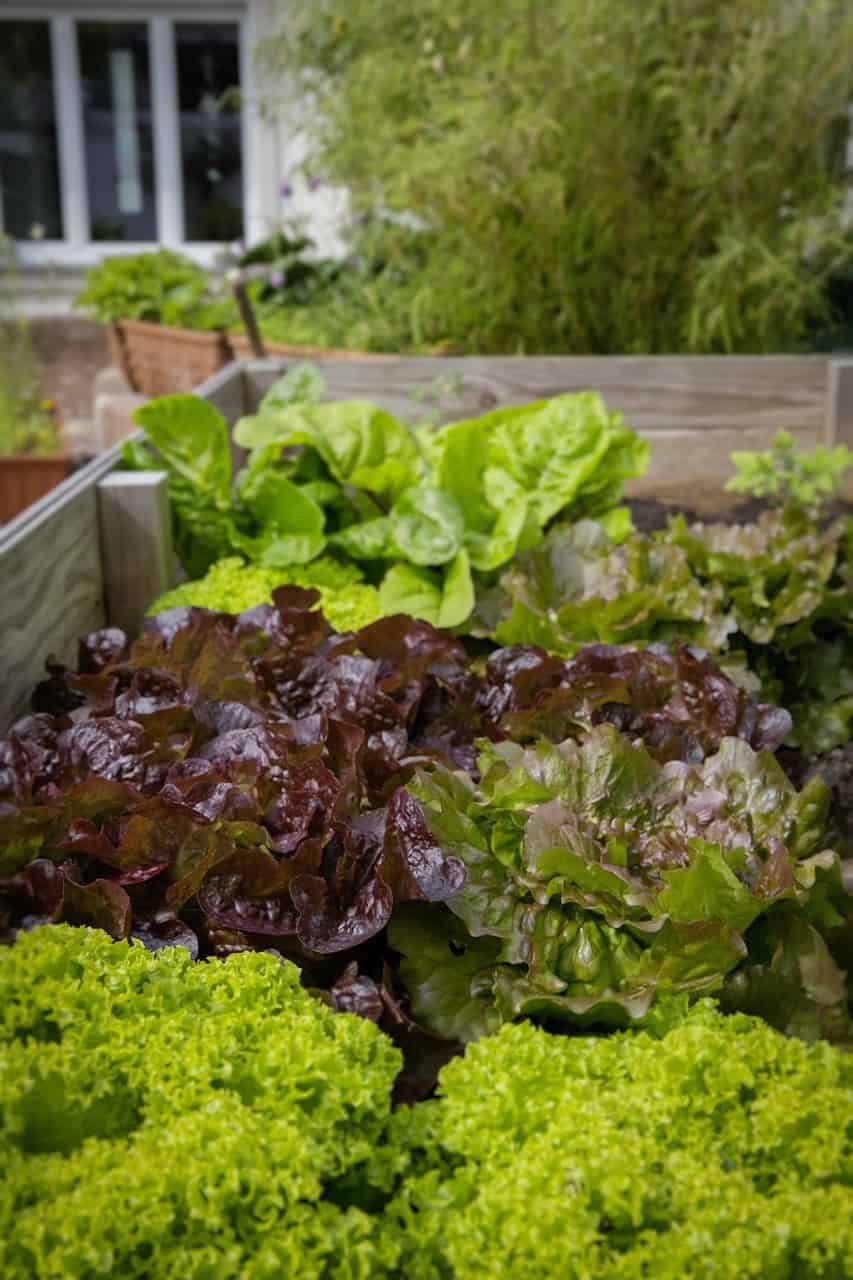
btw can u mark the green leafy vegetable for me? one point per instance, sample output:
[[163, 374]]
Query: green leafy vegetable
[[514, 470], [421, 509], [161, 1117], [302, 384], [360, 444], [160, 286], [612, 881], [444, 599], [721, 1151], [291, 521], [785, 472], [232, 586]]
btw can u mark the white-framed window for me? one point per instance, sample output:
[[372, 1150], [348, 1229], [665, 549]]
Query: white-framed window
[[129, 125]]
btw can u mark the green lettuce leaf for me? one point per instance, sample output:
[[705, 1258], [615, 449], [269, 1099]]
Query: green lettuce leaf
[[362, 445], [292, 524], [192, 439], [444, 598], [427, 526], [446, 972], [612, 881]]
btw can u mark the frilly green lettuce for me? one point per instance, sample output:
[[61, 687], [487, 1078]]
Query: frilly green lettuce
[[721, 1151], [165, 1118]]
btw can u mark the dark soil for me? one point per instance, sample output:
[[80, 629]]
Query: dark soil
[[648, 514]]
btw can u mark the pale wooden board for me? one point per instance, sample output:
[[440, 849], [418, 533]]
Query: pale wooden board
[[136, 544], [655, 393], [52, 593]]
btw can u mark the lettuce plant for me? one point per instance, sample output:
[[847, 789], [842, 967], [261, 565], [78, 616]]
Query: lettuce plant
[[239, 782], [232, 585], [165, 1119], [722, 1150], [421, 511], [160, 1118], [785, 473], [774, 596], [600, 883]]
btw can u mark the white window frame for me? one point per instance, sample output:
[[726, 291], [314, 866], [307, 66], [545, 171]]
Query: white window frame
[[260, 166]]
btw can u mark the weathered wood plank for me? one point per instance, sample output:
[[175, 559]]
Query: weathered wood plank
[[839, 403], [137, 552], [51, 589], [655, 393]]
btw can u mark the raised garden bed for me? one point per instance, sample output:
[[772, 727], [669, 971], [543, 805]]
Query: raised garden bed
[[693, 410], [451, 835]]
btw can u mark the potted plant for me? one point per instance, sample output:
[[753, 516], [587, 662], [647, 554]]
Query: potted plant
[[167, 324], [33, 458]]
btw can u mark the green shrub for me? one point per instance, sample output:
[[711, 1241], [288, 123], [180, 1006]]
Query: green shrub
[[161, 286], [27, 421], [161, 1118], [588, 176]]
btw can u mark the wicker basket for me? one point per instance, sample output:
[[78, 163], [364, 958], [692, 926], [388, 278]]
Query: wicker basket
[[25, 478], [242, 350], [157, 358]]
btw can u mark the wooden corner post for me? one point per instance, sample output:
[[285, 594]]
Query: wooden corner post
[[839, 403], [136, 544]]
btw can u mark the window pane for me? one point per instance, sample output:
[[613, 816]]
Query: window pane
[[208, 58], [117, 124], [29, 170]]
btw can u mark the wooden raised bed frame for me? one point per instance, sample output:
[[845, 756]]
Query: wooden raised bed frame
[[97, 549]]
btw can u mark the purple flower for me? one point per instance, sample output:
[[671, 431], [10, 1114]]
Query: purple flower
[[285, 191], [276, 279], [314, 182]]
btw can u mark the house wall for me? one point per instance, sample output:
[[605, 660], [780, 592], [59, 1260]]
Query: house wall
[[275, 189]]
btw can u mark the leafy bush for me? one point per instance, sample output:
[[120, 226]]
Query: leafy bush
[[161, 286], [722, 1151], [161, 1118], [585, 176]]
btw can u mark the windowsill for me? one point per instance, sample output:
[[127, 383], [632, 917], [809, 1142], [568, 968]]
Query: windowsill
[[46, 254]]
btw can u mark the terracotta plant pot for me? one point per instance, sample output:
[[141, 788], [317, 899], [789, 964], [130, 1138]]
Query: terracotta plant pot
[[25, 478], [158, 358], [242, 349]]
